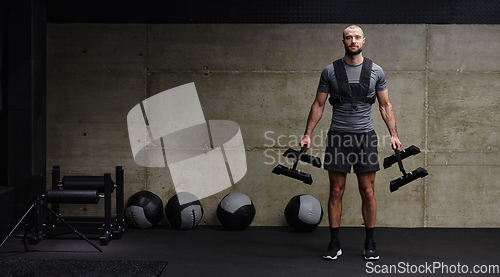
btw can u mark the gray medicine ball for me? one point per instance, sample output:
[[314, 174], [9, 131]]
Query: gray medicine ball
[[235, 211], [184, 211], [303, 213], [144, 209]]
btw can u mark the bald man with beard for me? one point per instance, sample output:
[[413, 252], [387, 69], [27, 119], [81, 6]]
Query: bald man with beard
[[353, 84]]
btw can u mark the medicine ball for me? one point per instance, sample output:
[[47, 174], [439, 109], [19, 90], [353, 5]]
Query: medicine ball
[[144, 209], [235, 211], [303, 213], [184, 211]]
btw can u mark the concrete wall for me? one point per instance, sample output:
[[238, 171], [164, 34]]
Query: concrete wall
[[443, 82]]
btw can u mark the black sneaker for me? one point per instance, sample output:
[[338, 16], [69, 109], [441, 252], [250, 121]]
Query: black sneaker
[[333, 251], [370, 251]]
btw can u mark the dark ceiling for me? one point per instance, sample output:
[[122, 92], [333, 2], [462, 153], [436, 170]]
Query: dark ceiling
[[268, 11]]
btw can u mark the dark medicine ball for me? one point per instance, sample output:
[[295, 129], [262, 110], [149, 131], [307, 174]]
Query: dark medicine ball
[[303, 213], [144, 209], [184, 211], [235, 211]]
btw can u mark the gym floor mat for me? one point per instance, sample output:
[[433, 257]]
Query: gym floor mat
[[90, 268], [275, 251]]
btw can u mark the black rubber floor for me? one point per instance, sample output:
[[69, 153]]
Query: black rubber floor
[[279, 251]]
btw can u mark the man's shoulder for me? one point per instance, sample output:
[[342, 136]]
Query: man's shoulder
[[328, 68], [376, 67]]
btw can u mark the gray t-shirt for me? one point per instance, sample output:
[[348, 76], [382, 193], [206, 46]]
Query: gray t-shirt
[[344, 118]]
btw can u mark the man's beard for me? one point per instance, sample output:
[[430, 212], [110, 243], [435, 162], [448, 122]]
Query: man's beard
[[352, 53]]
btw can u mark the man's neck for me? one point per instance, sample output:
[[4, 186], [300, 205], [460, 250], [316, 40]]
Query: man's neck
[[353, 60]]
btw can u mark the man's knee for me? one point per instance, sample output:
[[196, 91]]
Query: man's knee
[[337, 184], [336, 193], [367, 193], [367, 196]]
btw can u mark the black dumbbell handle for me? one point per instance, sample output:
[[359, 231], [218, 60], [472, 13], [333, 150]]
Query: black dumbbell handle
[[302, 151], [400, 163]]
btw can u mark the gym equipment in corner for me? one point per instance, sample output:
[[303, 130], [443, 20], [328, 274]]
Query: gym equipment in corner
[[397, 157], [75, 190], [293, 172], [88, 190], [35, 224]]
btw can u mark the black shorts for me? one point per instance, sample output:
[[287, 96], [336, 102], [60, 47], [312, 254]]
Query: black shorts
[[358, 150]]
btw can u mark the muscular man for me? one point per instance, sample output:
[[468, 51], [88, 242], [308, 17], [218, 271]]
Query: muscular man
[[353, 83]]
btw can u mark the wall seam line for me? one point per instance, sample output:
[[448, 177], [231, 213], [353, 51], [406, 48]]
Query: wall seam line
[[426, 125], [145, 72]]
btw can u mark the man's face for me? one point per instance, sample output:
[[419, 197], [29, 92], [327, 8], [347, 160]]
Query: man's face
[[353, 41]]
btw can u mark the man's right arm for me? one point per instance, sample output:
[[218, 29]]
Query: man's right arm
[[315, 115]]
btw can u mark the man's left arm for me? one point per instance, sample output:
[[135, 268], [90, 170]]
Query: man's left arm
[[387, 113]]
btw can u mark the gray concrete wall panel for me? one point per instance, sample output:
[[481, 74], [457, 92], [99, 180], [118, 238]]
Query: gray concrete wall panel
[[96, 47], [463, 196], [95, 75], [442, 81], [265, 105], [396, 47], [463, 188], [464, 111], [464, 48], [278, 47]]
